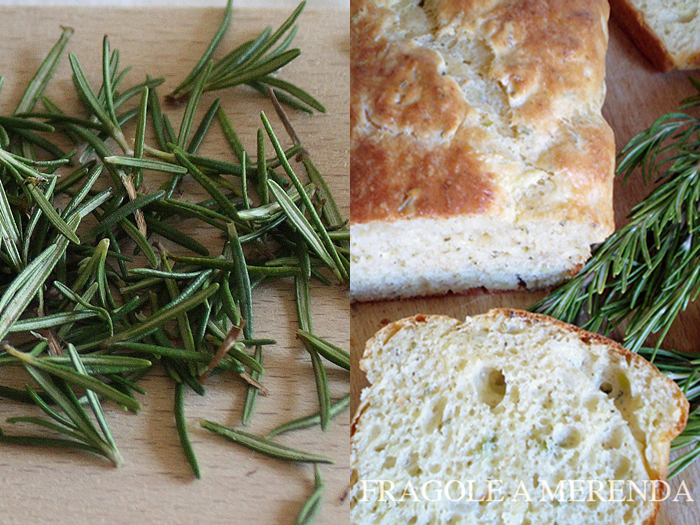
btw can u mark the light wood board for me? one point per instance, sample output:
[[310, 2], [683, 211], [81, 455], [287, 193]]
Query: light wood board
[[636, 96], [155, 484]]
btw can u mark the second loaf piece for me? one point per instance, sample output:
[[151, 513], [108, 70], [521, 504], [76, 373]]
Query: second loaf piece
[[479, 157]]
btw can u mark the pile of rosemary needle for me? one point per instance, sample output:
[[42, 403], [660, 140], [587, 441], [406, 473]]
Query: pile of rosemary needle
[[99, 284]]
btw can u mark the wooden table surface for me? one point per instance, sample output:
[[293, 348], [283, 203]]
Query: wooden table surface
[[636, 96], [155, 484]]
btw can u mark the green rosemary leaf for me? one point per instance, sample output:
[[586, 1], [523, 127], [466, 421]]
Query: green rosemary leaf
[[41, 201], [324, 399], [309, 421], [149, 272], [89, 206], [262, 170], [183, 320], [331, 352], [107, 88], [64, 397], [181, 424], [46, 424], [207, 184], [286, 25], [45, 442], [80, 195], [187, 209], [159, 318], [310, 508], [43, 405], [13, 123], [251, 396], [140, 137], [192, 103], [164, 351], [88, 95], [175, 235], [101, 312], [203, 127], [150, 84], [95, 404], [147, 164], [50, 321], [302, 224], [27, 284], [206, 57], [228, 303], [240, 55], [262, 445], [109, 221], [330, 209], [43, 74], [263, 68], [281, 96], [293, 90], [32, 138], [169, 131], [76, 378], [157, 118], [337, 265], [301, 285], [241, 281], [238, 354], [64, 119]]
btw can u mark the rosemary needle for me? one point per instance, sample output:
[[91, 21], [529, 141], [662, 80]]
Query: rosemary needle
[[262, 445]]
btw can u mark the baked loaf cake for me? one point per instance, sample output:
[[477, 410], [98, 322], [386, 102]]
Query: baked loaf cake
[[479, 157], [667, 32], [516, 398]]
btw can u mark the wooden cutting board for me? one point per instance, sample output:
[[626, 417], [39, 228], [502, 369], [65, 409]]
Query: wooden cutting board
[[155, 484], [636, 96]]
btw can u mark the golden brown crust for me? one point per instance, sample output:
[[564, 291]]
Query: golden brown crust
[[421, 148], [632, 21]]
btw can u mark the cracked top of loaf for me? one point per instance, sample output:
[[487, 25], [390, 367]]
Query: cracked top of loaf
[[480, 107]]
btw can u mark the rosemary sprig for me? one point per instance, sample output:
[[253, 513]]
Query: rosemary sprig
[[251, 63]]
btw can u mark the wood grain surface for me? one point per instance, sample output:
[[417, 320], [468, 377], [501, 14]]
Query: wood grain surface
[[155, 484], [636, 96]]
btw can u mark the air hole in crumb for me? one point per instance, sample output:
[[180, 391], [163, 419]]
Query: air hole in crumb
[[491, 386], [412, 521], [616, 439], [389, 462], [606, 387], [436, 419], [568, 437], [623, 468]]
